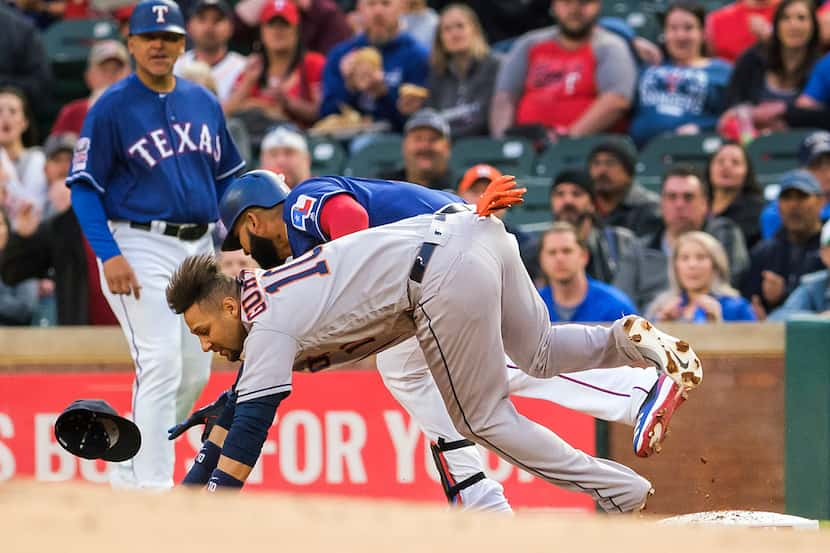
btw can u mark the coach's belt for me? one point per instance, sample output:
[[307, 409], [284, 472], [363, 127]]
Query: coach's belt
[[186, 231]]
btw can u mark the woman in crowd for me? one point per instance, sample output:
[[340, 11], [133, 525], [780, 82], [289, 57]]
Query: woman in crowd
[[699, 291], [281, 83], [769, 77], [25, 182], [463, 72], [734, 191], [686, 93]]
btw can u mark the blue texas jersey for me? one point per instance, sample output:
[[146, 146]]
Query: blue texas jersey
[[385, 201], [155, 156]]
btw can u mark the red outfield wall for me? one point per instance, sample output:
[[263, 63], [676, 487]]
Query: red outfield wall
[[338, 433]]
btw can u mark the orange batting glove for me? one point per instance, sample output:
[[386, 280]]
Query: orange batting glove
[[500, 194]]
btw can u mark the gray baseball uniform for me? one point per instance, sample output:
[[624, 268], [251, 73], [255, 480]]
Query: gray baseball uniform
[[466, 294]]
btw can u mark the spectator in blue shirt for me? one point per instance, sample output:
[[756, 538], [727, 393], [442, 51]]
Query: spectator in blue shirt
[[687, 92], [814, 155], [817, 92], [699, 290], [813, 293], [404, 62], [571, 295]]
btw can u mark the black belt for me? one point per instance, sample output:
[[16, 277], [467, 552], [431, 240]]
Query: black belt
[[421, 261], [186, 231], [427, 248]]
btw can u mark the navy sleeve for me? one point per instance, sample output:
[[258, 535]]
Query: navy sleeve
[[89, 209], [251, 422]]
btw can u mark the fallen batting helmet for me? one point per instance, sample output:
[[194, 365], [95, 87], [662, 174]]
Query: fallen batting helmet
[[91, 429], [258, 188], [157, 16]]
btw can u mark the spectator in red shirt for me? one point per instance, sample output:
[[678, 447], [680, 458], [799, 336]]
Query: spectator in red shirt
[[735, 27], [574, 79], [107, 64], [283, 82], [323, 22]]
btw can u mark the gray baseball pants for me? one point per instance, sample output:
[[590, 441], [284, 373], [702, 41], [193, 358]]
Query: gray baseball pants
[[476, 302]]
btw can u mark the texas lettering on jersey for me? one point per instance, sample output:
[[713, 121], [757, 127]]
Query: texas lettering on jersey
[[157, 144]]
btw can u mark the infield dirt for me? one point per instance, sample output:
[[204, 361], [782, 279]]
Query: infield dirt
[[38, 517]]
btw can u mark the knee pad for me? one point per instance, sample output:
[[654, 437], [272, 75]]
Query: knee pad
[[448, 483]]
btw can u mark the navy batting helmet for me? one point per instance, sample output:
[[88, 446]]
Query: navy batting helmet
[[155, 16], [258, 188], [92, 429]]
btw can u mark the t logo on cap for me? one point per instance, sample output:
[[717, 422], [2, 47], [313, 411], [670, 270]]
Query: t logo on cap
[[160, 12]]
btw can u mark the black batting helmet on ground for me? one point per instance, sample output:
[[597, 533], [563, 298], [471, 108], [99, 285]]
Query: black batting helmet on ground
[[91, 429]]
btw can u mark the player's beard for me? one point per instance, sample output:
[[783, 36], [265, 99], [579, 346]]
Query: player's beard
[[265, 252]]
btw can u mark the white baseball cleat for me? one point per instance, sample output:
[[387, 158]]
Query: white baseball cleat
[[669, 354]]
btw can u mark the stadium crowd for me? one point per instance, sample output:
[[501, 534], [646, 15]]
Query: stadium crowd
[[450, 95]]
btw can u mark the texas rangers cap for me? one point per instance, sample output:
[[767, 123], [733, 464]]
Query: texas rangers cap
[[155, 16], [813, 146], [259, 188], [482, 171], [280, 8], [430, 119]]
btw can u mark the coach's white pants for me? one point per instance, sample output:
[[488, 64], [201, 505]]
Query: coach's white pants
[[609, 394], [170, 367]]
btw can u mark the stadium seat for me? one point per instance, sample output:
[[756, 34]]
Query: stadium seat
[[573, 153], [535, 211], [666, 150], [509, 155], [380, 156], [68, 42], [774, 154], [645, 24], [327, 156]]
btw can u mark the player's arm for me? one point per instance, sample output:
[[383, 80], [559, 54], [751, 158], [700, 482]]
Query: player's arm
[[342, 215], [265, 382], [243, 443]]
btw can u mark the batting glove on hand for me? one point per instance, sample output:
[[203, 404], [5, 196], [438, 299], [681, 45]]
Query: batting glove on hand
[[207, 415], [500, 194]]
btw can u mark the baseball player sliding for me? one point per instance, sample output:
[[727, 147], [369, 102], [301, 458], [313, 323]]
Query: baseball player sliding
[[152, 160], [633, 482]]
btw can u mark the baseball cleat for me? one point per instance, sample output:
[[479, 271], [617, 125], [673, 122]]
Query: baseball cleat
[[669, 354], [655, 413]]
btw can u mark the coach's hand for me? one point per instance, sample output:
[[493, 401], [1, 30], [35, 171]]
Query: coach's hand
[[120, 277], [500, 194], [207, 415]]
